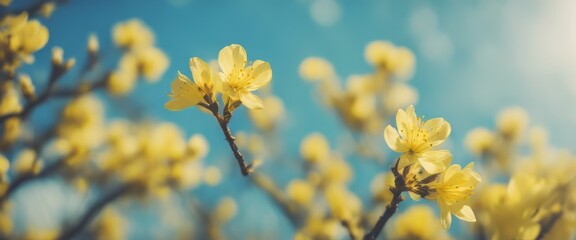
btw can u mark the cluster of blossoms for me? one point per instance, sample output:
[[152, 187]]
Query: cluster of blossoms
[[368, 99], [140, 57], [425, 172], [235, 80], [539, 200]]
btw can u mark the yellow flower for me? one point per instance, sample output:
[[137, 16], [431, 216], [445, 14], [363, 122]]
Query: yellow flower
[[315, 148], [453, 189], [152, 63], [5, 3], [416, 138], [30, 38], [479, 140], [300, 191], [316, 69], [238, 79], [186, 93], [132, 34]]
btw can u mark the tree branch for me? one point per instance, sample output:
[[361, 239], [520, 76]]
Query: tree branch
[[392, 206], [246, 169], [28, 177], [94, 210]]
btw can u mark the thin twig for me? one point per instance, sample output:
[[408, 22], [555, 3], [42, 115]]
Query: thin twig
[[94, 210], [246, 169], [391, 207], [28, 177]]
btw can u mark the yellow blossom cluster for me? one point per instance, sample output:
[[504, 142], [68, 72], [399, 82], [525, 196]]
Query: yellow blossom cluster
[[497, 147], [418, 222], [539, 199], [367, 100], [324, 194], [235, 80], [153, 156], [425, 171], [20, 37], [140, 57]]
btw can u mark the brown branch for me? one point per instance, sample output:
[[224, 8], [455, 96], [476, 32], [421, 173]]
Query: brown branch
[[391, 207], [94, 210], [29, 177], [246, 169]]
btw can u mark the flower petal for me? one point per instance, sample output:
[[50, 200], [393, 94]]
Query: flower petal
[[261, 74], [465, 213], [251, 101], [179, 104], [435, 161], [445, 216], [393, 140], [232, 57], [407, 159], [201, 72], [414, 196]]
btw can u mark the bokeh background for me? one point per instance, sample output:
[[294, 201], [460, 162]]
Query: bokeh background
[[474, 58]]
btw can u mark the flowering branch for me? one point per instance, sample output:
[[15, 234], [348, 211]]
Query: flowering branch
[[392, 206]]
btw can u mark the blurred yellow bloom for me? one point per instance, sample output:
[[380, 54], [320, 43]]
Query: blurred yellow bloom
[[479, 140], [41, 234], [511, 122], [453, 189], [300, 191], [47, 9], [152, 63], [239, 79], [27, 87], [26, 162], [111, 225], [268, 117], [4, 165], [225, 210], [417, 223], [416, 138], [343, 204], [198, 146], [380, 187], [5, 2], [132, 34], [212, 176], [29, 38], [93, 44], [316, 69], [186, 93], [383, 54], [399, 96], [315, 148]]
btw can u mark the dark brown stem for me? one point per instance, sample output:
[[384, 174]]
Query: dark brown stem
[[391, 207], [548, 225], [246, 169], [94, 210], [28, 177]]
